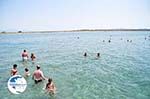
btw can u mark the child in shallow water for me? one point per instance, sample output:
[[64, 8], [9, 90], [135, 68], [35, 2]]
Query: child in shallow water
[[14, 70], [27, 74], [32, 56], [50, 87]]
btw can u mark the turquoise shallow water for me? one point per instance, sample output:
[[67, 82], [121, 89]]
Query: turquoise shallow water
[[122, 71]]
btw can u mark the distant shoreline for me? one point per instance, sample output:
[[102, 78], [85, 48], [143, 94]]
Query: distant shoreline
[[80, 30]]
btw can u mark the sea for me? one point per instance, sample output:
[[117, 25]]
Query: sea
[[121, 72]]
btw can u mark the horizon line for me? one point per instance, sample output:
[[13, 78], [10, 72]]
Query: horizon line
[[78, 30]]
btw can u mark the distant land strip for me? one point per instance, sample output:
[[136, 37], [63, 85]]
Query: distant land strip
[[80, 30]]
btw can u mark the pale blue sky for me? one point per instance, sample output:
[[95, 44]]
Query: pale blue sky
[[73, 14]]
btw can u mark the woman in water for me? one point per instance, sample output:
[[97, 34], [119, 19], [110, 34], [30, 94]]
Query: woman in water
[[50, 87], [14, 70]]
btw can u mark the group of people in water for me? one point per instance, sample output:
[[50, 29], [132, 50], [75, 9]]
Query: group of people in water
[[120, 39], [37, 75], [97, 55], [146, 38], [25, 56]]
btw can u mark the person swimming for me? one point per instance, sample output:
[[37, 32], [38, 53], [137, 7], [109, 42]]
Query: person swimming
[[25, 55], [32, 56], [50, 87], [98, 55], [14, 70], [85, 54], [27, 74], [38, 75], [130, 41]]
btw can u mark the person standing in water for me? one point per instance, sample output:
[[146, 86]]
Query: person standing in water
[[32, 56], [27, 74], [25, 55], [50, 87], [14, 70], [85, 54], [98, 55], [38, 75]]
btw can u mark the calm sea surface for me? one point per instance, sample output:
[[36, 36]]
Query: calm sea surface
[[122, 71]]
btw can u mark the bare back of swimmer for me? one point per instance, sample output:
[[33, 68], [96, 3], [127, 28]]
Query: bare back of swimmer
[[38, 75], [25, 55]]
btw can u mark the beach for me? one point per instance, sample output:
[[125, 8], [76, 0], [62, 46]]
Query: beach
[[121, 72]]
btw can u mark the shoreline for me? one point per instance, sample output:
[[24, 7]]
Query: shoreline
[[79, 30]]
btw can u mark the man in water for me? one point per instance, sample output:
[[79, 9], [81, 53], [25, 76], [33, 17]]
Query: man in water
[[38, 75], [25, 55]]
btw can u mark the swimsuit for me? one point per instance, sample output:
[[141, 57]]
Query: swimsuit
[[14, 72], [37, 81]]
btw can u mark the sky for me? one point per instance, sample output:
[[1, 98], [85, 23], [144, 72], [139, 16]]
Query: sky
[[34, 15]]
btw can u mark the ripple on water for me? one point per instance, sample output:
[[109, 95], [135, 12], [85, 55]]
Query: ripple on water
[[122, 71]]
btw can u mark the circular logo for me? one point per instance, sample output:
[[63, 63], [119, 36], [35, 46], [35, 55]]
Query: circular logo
[[17, 84]]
